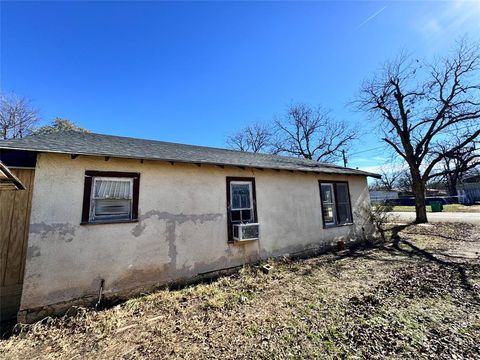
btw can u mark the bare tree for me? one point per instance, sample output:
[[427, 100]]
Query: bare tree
[[404, 182], [253, 138], [310, 133], [420, 105], [390, 179], [17, 116], [456, 165]]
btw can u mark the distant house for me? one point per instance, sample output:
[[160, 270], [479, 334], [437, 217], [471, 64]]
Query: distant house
[[378, 196], [469, 190], [108, 216]]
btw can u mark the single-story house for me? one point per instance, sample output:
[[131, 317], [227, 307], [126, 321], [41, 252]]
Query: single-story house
[[108, 216], [379, 195], [469, 190]]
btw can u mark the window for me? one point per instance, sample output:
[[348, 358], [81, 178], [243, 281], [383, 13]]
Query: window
[[241, 203], [328, 204], [335, 200], [110, 197], [241, 209]]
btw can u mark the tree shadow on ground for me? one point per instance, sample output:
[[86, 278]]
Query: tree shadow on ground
[[459, 267], [446, 237], [400, 247]]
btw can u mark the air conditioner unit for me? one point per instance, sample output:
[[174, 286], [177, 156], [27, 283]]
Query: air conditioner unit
[[246, 232]]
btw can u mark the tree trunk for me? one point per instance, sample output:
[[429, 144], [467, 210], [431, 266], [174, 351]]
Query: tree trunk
[[452, 185], [418, 188], [420, 207]]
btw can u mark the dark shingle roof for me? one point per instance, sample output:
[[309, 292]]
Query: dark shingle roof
[[79, 143]]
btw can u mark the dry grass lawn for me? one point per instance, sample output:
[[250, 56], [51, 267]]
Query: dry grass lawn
[[446, 208], [417, 297]]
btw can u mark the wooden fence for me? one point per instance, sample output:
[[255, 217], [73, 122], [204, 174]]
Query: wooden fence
[[15, 206]]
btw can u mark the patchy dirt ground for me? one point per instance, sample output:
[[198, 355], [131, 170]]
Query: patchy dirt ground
[[417, 297]]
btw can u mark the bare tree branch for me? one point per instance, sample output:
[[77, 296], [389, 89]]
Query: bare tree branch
[[310, 133], [17, 116], [456, 165], [254, 138], [390, 179]]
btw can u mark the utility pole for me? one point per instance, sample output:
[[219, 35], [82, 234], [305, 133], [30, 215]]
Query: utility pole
[[344, 159]]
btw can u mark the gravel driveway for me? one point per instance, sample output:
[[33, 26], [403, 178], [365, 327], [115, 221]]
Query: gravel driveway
[[470, 218]]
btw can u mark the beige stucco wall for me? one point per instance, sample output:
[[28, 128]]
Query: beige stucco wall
[[182, 229]]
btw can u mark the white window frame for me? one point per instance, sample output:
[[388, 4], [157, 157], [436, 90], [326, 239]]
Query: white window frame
[[334, 209], [92, 217], [250, 193]]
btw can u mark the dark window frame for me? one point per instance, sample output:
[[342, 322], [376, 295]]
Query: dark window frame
[[229, 180], [87, 194], [333, 183]]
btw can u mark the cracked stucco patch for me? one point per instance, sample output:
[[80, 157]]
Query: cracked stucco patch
[[171, 223], [64, 231], [169, 217]]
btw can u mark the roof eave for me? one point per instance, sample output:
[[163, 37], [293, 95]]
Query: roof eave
[[306, 169]]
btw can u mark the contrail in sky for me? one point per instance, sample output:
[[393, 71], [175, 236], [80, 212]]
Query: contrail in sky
[[371, 17]]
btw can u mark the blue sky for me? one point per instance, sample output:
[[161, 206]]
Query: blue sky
[[194, 72]]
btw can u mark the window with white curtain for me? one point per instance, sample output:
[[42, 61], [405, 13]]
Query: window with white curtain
[[111, 199]]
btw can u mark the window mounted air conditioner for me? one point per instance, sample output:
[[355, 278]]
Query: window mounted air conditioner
[[246, 232]]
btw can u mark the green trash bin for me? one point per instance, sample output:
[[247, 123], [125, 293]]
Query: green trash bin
[[436, 206]]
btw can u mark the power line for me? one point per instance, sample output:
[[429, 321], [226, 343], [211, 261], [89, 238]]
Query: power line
[[364, 151]]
